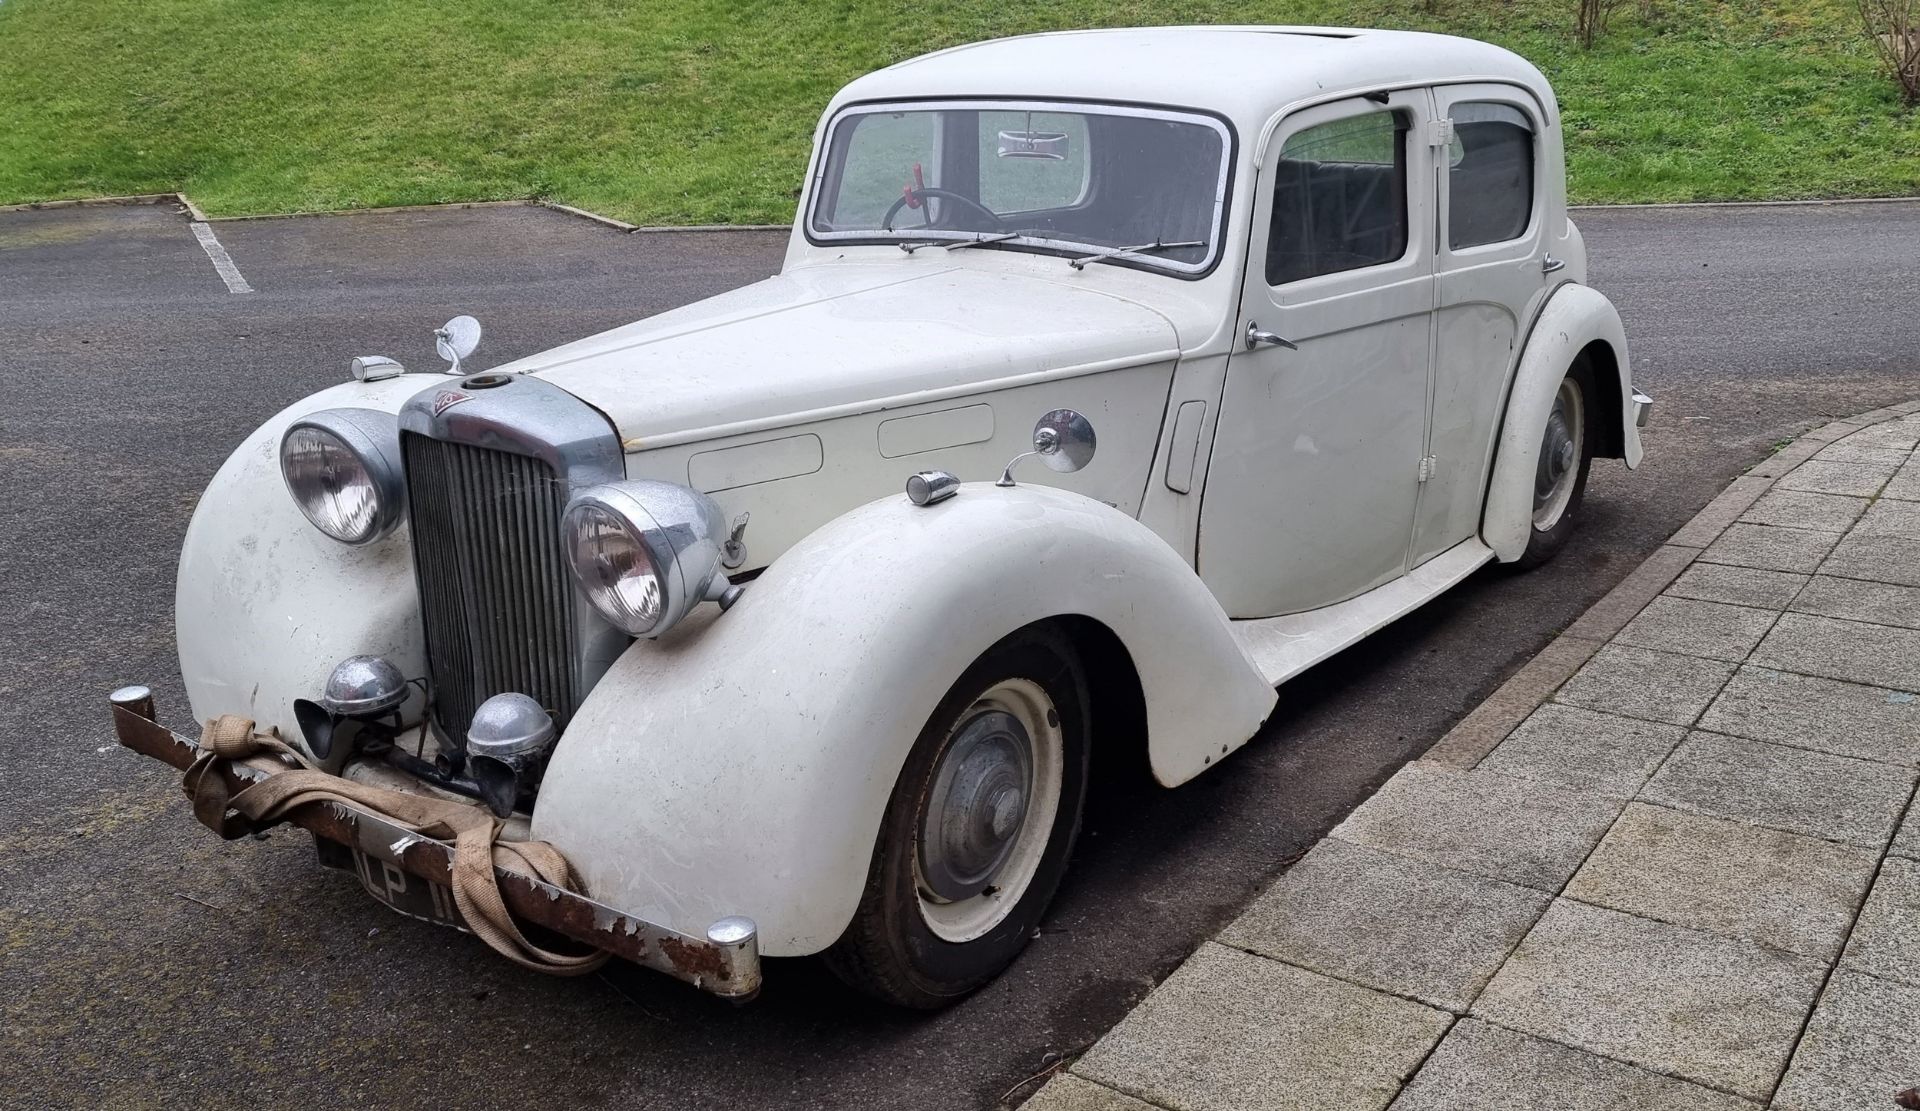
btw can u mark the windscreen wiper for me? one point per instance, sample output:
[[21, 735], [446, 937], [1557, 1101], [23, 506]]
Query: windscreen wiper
[[985, 239], [1112, 253], [913, 245]]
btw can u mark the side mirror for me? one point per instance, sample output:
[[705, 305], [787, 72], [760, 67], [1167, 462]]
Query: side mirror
[[456, 339], [1064, 441]]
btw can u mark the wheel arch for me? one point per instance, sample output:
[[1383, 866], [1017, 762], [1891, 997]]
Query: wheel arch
[[1577, 322], [1610, 409], [742, 763], [1120, 744]]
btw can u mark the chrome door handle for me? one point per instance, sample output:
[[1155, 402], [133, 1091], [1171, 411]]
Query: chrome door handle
[[1549, 264], [1259, 338]]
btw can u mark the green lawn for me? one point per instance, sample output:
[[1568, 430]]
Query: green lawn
[[698, 111]]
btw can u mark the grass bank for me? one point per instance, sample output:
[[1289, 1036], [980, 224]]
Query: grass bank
[[700, 111]]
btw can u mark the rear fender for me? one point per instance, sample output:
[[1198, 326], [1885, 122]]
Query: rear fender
[[1574, 319], [741, 764]]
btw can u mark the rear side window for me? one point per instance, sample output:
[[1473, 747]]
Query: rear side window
[[1340, 198], [1490, 181]]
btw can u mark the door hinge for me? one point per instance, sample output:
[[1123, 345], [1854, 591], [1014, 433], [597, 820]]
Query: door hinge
[[1428, 465], [1441, 133]]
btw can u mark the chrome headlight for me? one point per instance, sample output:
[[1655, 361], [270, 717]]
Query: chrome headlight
[[645, 552], [342, 467]]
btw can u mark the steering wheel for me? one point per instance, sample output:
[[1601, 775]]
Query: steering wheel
[[893, 210]]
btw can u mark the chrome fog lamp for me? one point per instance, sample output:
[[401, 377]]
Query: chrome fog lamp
[[509, 734], [342, 467], [645, 553], [363, 687], [360, 688]]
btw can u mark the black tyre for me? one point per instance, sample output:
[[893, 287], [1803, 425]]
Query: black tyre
[[1566, 455], [979, 828]]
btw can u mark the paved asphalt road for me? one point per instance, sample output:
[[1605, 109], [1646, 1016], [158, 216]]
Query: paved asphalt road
[[144, 962]]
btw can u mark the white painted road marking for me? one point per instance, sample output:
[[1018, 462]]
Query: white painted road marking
[[222, 261]]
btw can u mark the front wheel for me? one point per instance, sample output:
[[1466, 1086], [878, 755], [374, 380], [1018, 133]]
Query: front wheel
[[1560, 480], [977, 833]]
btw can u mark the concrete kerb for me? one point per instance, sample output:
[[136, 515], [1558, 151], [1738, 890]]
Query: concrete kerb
[[195, 213]]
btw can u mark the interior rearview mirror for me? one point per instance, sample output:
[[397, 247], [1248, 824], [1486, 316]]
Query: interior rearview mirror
[[1048, 145]]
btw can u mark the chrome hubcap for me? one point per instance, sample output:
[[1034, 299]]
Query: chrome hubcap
[[1560, 448], [977, 806], [989, 810]]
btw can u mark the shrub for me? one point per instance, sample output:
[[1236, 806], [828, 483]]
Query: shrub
[[1894, 27]]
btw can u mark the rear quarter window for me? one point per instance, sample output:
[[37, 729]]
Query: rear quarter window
[[1490, 174]]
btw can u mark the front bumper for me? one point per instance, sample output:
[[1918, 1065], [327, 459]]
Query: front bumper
[[725, 963]]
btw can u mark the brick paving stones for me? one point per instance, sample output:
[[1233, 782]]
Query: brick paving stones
[[1683, 1002], [1741, 586], [1886, 939], [1387, 922], [1695, 628], [1673, 864], [1584, 750], [1804, 711], [1824, 475], [1481, 1067], [1791, 789], [1887, 559], [1490, 825], [1770, 548], [1641, 683], [1783, 890], [1859, 600], [1854, 651], [1801, 509], [1067, 1092], [1231, 1030], [1861, 1047]]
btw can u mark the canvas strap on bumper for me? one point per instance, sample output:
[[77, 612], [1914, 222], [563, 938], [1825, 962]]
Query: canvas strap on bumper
[[477, 849]]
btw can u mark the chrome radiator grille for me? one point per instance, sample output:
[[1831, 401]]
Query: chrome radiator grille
[[494, 592]]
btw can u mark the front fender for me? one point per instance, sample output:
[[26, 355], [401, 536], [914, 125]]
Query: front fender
[[742, 767], [265, 604], [1574, 318]]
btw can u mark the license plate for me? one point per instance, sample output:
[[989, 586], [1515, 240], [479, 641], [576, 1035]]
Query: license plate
[[406, 893]]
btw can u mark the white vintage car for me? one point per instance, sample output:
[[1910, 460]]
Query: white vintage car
[[1311, 293]]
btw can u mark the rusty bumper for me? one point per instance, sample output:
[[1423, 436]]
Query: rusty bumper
[[725, 963]]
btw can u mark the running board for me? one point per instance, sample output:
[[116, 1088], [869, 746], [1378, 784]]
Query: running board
[[1282, 647]]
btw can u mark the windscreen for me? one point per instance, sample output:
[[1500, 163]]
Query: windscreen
[[1053, 178]]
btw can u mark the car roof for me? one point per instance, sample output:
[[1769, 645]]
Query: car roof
[[1244, 73]]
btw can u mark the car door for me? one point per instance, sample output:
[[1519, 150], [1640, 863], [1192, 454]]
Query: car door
[[1312, 484], [1489, 278]]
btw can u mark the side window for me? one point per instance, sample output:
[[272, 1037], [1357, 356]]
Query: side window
[[1490, 180], [1032, 160], [1340, 198]]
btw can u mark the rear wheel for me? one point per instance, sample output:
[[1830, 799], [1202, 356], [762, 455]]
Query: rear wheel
[[1560, 480], [977, 833]]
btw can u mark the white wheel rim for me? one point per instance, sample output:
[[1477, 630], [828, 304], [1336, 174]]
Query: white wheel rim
[[1009, 708], [1562, 445]]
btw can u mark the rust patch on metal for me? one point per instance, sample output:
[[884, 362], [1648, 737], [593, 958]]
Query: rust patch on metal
[[694, 959], [564, 912]]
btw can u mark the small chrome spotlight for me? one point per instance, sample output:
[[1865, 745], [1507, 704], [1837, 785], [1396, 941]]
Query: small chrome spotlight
[[363, 687], [360, 688], [509, 734]]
